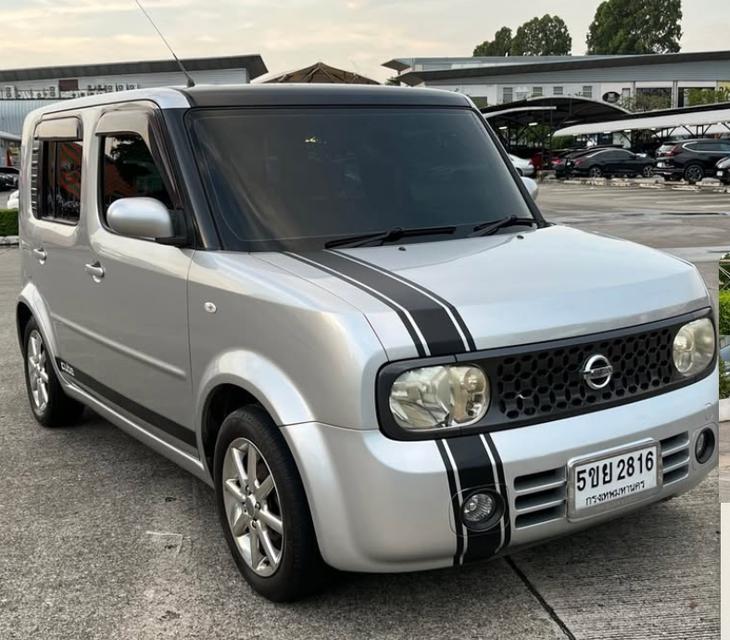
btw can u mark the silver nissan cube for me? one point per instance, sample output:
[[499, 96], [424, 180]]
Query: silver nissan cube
[[341, 308]]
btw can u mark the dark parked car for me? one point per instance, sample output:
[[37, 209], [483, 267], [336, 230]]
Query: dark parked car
[[560, 163], [722, 170], [8, 178], [691, 159], [610, 162]]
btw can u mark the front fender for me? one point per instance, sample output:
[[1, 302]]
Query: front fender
[[266, 382]]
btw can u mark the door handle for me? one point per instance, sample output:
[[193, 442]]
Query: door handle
[[40, 254], [95, 270]]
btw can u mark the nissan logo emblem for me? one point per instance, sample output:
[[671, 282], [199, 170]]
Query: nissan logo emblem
[[597, 372]]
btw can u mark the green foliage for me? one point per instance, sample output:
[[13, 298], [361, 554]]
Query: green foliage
[[725, 313], [707, 96], [635, 27], [500, 46], [546, 36], [724, 380], [8, 222], [646, 102]]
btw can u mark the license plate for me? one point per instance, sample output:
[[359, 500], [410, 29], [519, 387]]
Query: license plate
[[661, 164], [720, 174], [607, 481]]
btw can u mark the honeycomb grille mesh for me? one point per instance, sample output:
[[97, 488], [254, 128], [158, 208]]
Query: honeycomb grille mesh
[[542, 383]]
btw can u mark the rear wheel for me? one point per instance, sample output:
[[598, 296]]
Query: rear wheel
[[595, 172], [263, 508], [50, 405], [694, 173]]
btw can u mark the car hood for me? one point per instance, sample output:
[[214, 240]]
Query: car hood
[[506, 289]]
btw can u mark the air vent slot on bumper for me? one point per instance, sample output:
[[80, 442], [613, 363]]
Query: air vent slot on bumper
[[540, 497], [675, 458]]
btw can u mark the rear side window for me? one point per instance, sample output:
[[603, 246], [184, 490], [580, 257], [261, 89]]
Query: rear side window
[[128, 170], [58, 182]]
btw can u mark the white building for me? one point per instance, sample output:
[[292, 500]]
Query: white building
[[23, 90], [498, 80]]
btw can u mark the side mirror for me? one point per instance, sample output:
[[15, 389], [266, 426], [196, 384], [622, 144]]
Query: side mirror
[[531, 187], [140, 218]]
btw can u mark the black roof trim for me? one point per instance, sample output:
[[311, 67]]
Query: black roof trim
[[253, 63], [599, 62], [261, 95]]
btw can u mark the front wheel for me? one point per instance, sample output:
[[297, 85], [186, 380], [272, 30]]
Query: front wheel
[[263, 508], [647, 171]]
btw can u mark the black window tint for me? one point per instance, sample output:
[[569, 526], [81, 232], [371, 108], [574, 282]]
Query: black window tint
[[129, 171], [299, 177], [60, 181]]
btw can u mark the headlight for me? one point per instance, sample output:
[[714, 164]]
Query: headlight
[[443, 396], [694, 347]]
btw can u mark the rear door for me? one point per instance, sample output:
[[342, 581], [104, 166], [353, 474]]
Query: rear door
[[131, 332], [56, 228]]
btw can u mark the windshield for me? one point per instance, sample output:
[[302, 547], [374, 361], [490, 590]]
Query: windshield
[[299, 177]]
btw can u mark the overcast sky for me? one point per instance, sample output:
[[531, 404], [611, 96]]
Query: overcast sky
[[355, 34]]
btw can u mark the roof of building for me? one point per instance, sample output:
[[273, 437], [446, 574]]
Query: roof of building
[[556, 111], [320, 94], [318, 73], [663, 119], [253, 63], [529, 64]]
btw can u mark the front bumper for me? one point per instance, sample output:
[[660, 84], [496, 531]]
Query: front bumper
[[381, 505]]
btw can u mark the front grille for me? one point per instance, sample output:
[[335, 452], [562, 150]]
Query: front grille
[[675, 458], [541, 382], [540, 498]]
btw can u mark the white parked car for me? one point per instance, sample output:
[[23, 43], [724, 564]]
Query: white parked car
[[524, 167], [13, 200]]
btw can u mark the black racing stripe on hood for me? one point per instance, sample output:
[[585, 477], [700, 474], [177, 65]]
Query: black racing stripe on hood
[[420, 347], [445, 303], [439, 331]]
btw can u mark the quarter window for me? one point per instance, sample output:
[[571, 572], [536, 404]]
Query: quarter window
[[128, 170], [59, 181]]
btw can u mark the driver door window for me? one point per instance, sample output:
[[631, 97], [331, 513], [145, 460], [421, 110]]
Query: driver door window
[[128, 170]]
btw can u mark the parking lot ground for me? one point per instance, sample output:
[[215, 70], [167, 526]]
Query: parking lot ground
[[693, 224], [102, 538]]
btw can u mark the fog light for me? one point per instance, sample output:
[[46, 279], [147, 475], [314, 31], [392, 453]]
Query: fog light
[[704, 445], [481, 510]]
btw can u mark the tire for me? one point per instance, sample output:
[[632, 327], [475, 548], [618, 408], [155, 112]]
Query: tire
[[694, 173], [298, 569], [647, 171], [49, 403], [595, 172]]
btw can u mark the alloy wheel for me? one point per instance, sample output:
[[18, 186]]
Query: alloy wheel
[[694, 174], [252, 507], [37, 362], [595, 172]]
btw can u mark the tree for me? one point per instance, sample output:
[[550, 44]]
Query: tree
[[500, 46], [636, 26], [546, 36]]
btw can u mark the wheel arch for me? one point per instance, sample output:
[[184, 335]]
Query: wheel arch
[[23, 315]]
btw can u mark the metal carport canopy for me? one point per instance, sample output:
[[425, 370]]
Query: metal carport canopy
[[657, 122]]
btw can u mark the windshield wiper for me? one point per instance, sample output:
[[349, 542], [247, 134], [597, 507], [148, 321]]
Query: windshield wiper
[[488, 228], [381, 237]]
